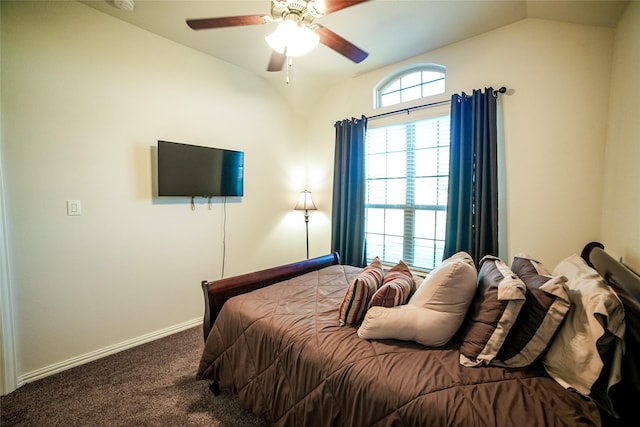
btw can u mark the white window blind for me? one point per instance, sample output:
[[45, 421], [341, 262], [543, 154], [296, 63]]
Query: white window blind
[[407, 168]]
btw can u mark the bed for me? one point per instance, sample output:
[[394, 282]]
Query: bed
[[273, 338]]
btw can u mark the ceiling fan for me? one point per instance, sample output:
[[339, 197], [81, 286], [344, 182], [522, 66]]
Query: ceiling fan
[[297, 33]]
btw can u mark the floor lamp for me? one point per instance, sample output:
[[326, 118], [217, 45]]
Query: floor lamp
[[305, 203]]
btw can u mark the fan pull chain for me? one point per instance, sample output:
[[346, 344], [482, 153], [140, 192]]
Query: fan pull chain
[[289, 65]]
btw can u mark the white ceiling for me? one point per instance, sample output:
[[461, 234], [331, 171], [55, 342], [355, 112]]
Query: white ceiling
[[390, 30]]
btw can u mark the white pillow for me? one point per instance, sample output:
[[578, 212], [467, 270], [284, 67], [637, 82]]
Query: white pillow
[[435, 311], [574, 358]]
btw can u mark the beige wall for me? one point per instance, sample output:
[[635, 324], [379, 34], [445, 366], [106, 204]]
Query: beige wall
[[555, 125], [84, 99], [621, 203]]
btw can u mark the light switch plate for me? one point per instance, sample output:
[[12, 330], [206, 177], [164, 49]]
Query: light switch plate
[[74, 208]]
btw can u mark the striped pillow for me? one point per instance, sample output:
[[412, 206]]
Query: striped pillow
[[356, 300], [397, 287], [546, 305], [496, 305]]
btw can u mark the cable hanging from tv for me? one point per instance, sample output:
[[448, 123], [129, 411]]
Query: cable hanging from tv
[[209, 202]]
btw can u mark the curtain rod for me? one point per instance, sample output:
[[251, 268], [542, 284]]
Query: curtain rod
[[408, 110], [431, 104]]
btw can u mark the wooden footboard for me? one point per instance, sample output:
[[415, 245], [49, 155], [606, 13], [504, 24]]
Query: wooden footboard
[[216, 293]]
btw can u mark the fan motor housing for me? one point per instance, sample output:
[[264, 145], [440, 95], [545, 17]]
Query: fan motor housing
[[303, 11]]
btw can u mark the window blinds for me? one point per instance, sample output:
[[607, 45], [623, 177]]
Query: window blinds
[[406, 191]]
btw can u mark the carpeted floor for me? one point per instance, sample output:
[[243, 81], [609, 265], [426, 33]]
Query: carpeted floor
[[149, 385]]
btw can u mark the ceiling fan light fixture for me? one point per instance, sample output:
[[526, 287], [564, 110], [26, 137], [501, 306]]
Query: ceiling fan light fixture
[[293, 39], [127, 5]]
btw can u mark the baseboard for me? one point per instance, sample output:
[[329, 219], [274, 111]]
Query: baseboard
[[103, 352]]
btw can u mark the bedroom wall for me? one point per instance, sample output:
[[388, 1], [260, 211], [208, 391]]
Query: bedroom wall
[[84, 99], [555, 123], [621, 202]]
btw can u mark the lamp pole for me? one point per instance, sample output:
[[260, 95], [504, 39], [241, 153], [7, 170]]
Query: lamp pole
[[306, 224]]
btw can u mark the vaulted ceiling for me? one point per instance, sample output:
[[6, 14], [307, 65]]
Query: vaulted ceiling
[[389, 30]]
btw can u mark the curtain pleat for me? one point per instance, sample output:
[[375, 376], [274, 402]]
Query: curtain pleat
[[348, 222], [472, 212]]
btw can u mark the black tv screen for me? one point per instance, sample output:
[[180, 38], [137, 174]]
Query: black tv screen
[[196, 171]]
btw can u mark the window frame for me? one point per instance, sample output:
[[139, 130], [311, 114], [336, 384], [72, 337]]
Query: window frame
[[396, 77], [409, 207]]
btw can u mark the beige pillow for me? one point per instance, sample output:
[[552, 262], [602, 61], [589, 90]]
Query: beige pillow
[[495, 308], [358, 295], [593, 329], [435, 311]]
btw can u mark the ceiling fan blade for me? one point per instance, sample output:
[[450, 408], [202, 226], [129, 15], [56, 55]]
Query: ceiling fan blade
[[229, 21], [334, 5], [341, 45], [277, 61]]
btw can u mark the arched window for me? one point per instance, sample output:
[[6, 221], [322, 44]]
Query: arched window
[[410, 84]]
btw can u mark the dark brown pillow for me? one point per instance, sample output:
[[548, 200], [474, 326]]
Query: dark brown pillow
[[498, 300], [544, 310]]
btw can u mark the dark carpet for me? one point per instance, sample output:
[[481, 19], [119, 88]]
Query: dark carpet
[[150, 385]]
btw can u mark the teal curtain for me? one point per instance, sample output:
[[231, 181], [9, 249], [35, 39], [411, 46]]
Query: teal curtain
[[348, 225], [472, 207]]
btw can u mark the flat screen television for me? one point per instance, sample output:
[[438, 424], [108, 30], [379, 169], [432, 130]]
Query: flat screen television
[[196, 171]]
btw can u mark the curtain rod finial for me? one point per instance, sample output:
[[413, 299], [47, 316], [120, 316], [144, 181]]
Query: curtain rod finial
[[495, 92]]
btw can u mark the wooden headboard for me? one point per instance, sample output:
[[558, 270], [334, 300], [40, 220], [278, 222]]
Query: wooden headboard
[[627, 285], [216, 293]]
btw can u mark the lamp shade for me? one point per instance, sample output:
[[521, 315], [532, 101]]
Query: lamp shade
[[305, 203], [292, 39]]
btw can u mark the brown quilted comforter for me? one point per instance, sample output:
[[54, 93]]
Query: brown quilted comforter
[[280, 348]]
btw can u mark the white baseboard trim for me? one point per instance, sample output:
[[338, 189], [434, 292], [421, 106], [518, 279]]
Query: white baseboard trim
[[103, 352]]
